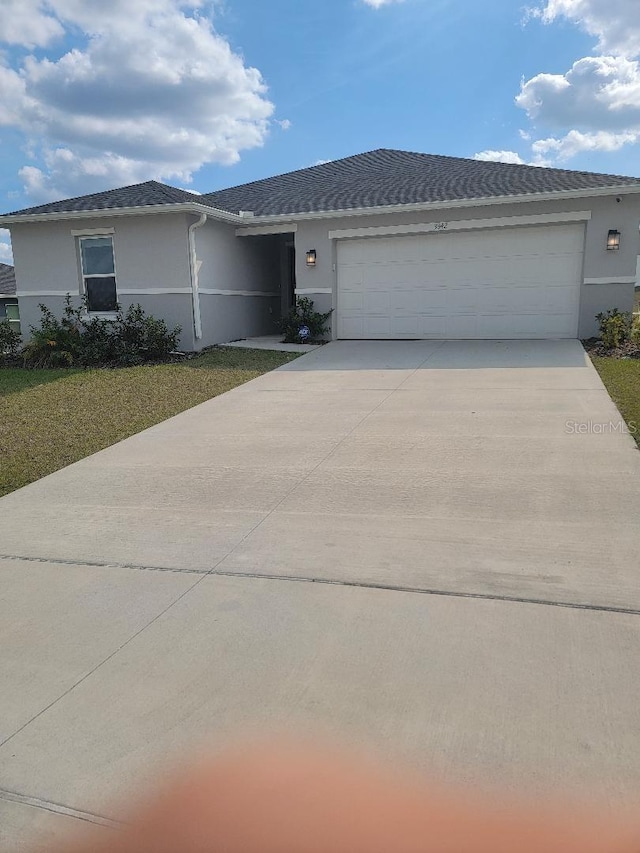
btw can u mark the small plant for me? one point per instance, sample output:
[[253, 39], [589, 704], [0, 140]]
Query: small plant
[[9, 342], [615, 327], [301, 315]]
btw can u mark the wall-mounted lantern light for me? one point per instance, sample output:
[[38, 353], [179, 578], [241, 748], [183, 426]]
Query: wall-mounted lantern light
[[613, 240], [311, 258]]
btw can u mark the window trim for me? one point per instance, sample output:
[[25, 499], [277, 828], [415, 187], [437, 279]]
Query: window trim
[[106, 234]]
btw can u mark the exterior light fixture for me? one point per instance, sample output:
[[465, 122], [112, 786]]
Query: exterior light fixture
[[311, 258], [613, 240]]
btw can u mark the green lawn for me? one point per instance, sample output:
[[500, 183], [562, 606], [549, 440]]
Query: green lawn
[[50, 418], [622, 378]]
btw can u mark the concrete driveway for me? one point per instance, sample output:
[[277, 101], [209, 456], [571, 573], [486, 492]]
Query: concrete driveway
[[428, 548]]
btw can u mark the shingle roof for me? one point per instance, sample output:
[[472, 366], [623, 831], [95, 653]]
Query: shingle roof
[[136, 195], [386, 177], [375, 179], [7, 280]]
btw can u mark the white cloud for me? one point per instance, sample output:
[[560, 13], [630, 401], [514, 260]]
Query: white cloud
[[499, 156], [376, 4], [615, 23], [595, 105], [66, 173], [154, 92], [27, 23], [6, 255], [285, 124], [557, 151], [597, 93]]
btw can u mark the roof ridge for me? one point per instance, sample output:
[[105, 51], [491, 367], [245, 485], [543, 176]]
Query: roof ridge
[[165, 188]]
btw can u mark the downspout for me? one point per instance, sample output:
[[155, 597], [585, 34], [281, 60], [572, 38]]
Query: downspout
[[193, 265]]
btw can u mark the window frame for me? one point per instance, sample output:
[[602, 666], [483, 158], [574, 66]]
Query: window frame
[[97, 235]]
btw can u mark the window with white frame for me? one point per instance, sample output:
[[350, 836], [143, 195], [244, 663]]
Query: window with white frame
[[11, 312], [99, 273]]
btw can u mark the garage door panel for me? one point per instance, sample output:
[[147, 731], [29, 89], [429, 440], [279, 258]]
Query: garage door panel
[[379, 327], [555, 299], [377, 302], [352, 302], [433, 326], [351, 327], [519, 283], [437, 300], [404, 300], [408, 326], [352, 277], [462, 326]]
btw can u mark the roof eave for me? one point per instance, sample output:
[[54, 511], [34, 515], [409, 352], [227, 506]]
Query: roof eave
[[142, 210], [226, 216], [564, 195]]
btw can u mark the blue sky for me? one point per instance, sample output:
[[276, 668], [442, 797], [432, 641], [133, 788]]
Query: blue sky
[[207, 94]]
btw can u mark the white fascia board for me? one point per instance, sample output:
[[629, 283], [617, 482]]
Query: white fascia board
[[462, 225], [188, 207], [487, 201]]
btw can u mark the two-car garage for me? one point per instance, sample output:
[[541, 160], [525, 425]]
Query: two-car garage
[[521, 282]]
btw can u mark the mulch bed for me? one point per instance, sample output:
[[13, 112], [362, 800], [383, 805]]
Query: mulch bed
[[594, 346]]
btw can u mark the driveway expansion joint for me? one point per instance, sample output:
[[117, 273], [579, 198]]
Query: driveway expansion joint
[[61, 561], [216, 572], [57, 808], [445, 593]]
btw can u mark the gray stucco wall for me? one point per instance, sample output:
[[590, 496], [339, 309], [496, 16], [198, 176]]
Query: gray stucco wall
[[248, 271], [606, 213], [240, 277], [151, 255], [596, 298]]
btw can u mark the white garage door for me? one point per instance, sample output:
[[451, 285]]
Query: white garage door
[[500, 283]]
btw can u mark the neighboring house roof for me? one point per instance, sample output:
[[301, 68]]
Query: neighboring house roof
[[378, 178], [7, 280]]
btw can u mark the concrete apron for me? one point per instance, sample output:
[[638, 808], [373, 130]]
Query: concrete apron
[[450, 496]]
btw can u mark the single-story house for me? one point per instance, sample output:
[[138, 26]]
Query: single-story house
[[8, 300], [398, 244]]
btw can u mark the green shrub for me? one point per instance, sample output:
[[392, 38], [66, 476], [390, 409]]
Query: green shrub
[[9, 342], [55, 343], [303, 314], [97, 344], [79, 340], [141, 338], [615, 327]]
